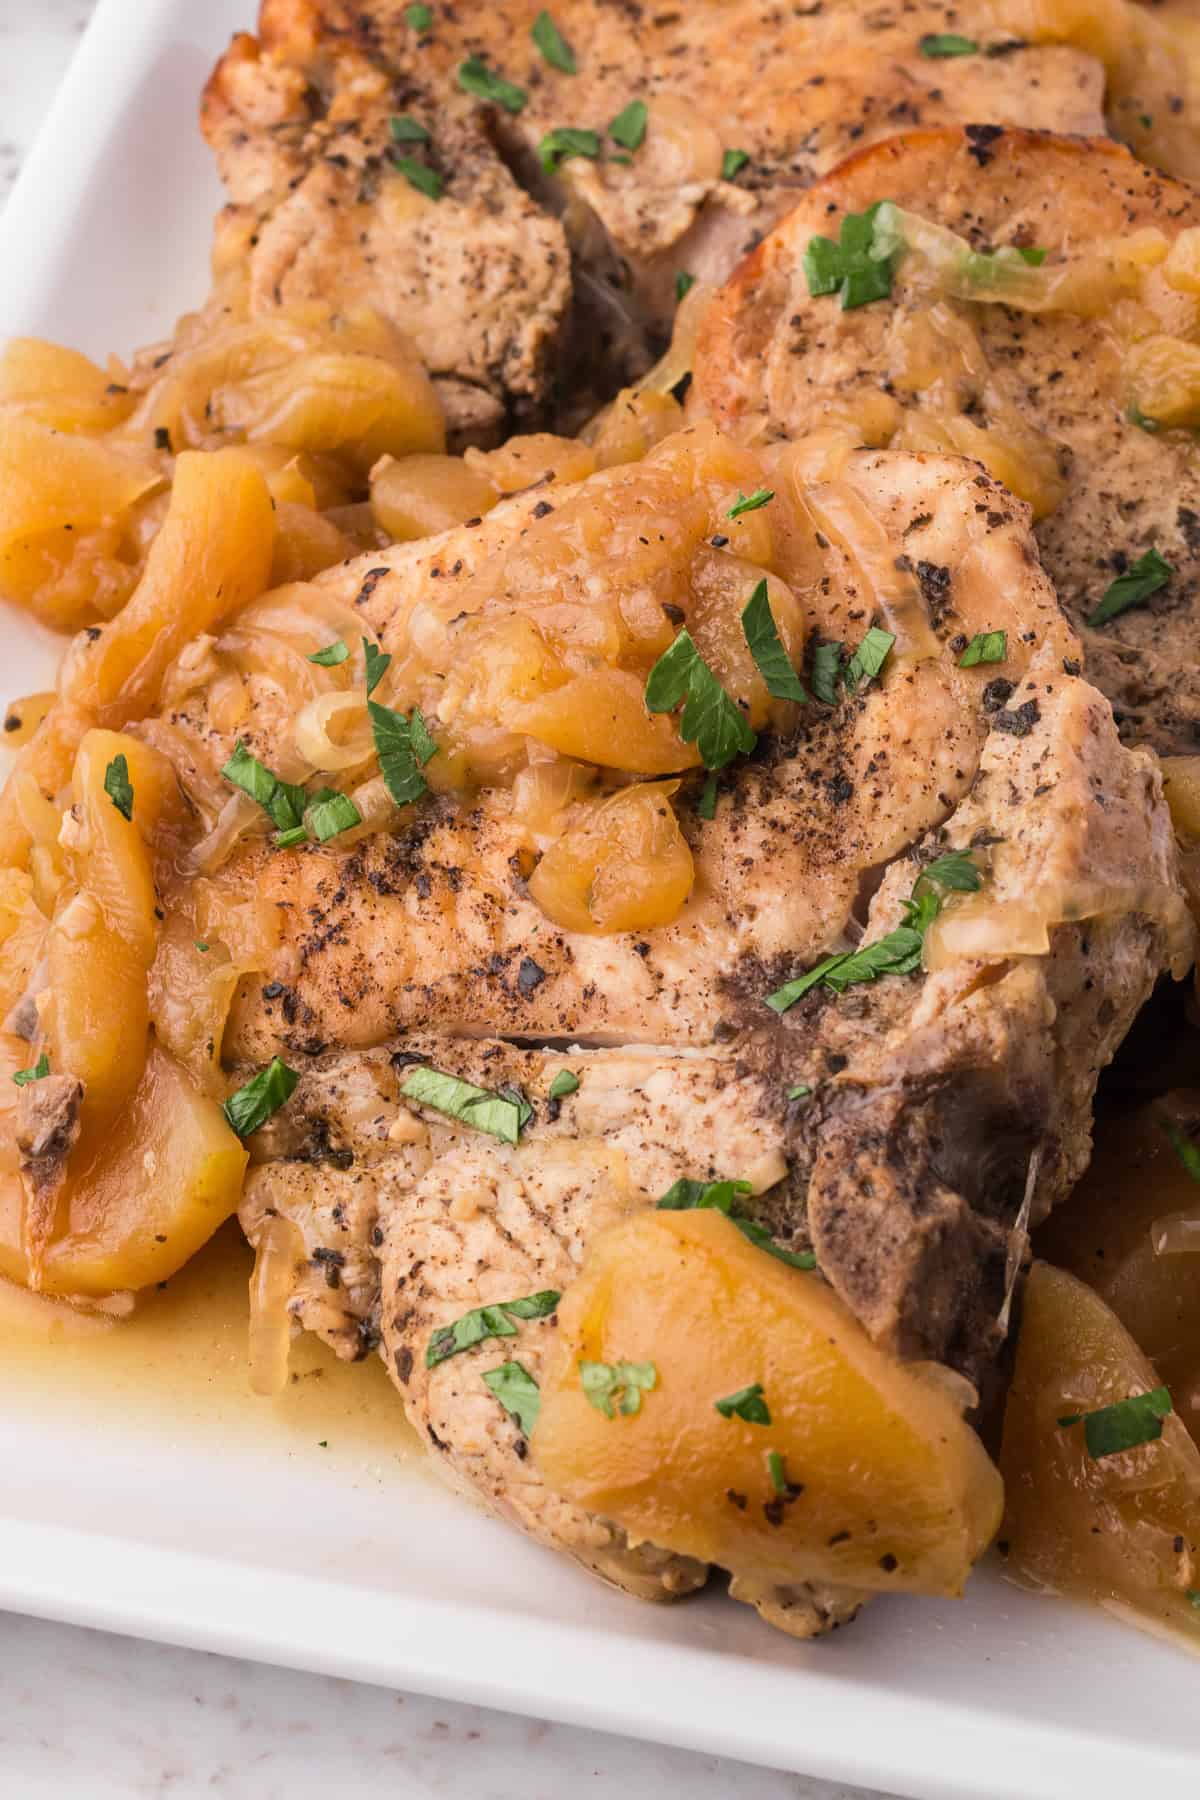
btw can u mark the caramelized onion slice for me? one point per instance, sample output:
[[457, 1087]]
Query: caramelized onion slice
[[280, 1248]]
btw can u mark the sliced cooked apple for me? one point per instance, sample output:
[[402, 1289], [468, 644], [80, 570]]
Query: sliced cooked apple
[[719, 1403]]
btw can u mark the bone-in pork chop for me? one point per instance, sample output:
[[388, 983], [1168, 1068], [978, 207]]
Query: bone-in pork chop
[[1058, 397]]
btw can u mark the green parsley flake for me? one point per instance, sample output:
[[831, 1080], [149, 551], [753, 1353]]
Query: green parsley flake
[[860, 266], [732, 161], [376, 664], [1186, 1151], [623, 1382], [947, 43], [686, 1195], [201, 947], [827, 672], [750, 502], [38, 1072], [1031, 254], [292, 838], [711, 719], [118, 786], [282, 801], [419, 18], [329, 814], [777, 1472], [564, 1083], [799, 1091], [493, 1321], [1111, 1429], [419, 175], [407, 130], [551, 43], [252, 1105], [517, 1392], [683, 284], [868, 660], [1143, 578], [331, 655], [899, 953], [706, 805], [748, 1404], [985, 647], [766, 647], [1142, 420], [629, 127], [1193, 1597], [565, 141], [403, 746], [474, 77], [502, 1115]]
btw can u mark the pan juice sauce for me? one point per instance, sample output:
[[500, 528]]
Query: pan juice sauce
[[178, 1362]]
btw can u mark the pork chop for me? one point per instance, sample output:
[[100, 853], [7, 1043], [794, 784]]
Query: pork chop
[[1042, 394], [473, 263]]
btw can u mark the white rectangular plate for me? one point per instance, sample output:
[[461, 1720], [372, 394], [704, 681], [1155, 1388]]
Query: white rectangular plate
[[196, 1525]]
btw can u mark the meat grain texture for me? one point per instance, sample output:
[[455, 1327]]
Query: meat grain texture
[[516, 276], [771, 358], [947, 1111]]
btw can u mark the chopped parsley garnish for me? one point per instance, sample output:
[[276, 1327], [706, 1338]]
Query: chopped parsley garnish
[[766, 647], [553, 46], [1143, 578], [331, 655], [706, 805], [419, 175], [406, 130], [1031, 254], [683, 284], [38, 1072], [623, 1382], [329, 814], [1142, 420], [1193, 1597], [866, 663], [799, 1091], [750, 502], [517, 1392], [827, 672], [202, 947], [1123, 1426], [868, 660], [118, 786], [494, 1321], [629, 127], [1186, 1151], [732, 161], [283, 801], [777, 1472], [748, 1404], [420, 18], [859, 267], [377, 662], [403, 746], [565, 141], [899, 952], [686, 1195], [474, 77], [264, 1094], [291, 838], [564, 1083], [985, 647], [947, 43], [502, 1115], [711, 719]]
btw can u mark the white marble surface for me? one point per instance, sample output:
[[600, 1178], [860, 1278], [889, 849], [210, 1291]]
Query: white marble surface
[[89, 1716]]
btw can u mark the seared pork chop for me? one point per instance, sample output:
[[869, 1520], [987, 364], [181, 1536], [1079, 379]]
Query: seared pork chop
[[1040, 394], [478, 273], [907, 1131]]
